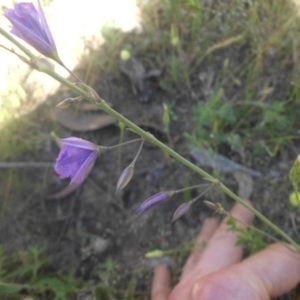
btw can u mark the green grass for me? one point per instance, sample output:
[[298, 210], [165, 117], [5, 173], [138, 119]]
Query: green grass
[[28, 274]]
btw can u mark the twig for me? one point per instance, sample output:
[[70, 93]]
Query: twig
[[32, 164]]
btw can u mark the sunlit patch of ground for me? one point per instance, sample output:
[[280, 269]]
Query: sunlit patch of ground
[[75, 26]]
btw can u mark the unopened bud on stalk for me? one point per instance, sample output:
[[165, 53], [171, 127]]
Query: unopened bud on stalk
[[294, 199], [128, 172], [125, 178], [125, 54], [216, 207], [295, 171], [155, 254], [68, 102], [154, 201], [181, 210]]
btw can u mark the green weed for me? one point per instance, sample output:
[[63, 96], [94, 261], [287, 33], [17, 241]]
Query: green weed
[[29, 274]]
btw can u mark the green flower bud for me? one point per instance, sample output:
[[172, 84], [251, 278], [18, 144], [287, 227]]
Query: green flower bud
[[155, 254]]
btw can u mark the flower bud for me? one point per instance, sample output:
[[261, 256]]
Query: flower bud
[[181, 210], [125, 178], [68, 102], [153, 201], [216, 207], [294, 199], [155, 254], [125, 54]]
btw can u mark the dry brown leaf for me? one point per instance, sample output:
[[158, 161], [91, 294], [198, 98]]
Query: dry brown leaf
[[245, 183], [82, 122]]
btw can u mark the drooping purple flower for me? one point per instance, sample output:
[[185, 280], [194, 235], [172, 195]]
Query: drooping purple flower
[[75, 159], [153, 201], [30, 25]]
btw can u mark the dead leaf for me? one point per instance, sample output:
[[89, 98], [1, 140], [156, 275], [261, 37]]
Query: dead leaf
[[82, 122], [153, 73], [245, 183]]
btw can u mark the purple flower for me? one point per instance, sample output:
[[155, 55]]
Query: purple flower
[[75, 159], [31, 26], [153, 201]]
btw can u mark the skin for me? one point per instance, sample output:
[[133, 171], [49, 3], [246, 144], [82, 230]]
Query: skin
[[217, 271]]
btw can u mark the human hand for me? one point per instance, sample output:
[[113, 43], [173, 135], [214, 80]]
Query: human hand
[[216, 272]]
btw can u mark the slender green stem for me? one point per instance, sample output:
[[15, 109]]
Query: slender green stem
[[274, 239], [19, 45], [104, 148], [68, 84], [73, 74], [259, 215], [150, 138], [199, 196], [122, 129], [138, 153], [191, 187]]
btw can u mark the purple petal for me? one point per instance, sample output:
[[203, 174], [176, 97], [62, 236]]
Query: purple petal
[[76, 158], [70, 160], [45, 25], [78, 143], [85, 168], [153, 201]]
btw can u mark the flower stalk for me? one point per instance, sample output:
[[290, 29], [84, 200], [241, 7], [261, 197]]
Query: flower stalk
[[150, 138], [127, 174], [108, 148]]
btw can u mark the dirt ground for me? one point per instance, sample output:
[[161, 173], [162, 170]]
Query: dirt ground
[[82, 230]]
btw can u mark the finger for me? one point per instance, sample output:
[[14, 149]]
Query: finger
[[161, 283], [270, 273], [207, 231], [222, 251], [277, 267]]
